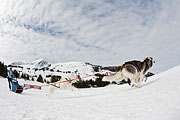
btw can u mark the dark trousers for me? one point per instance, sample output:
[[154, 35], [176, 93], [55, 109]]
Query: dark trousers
[[10, 82]]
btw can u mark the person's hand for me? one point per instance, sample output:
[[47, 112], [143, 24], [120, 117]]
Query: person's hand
[[14, 79]]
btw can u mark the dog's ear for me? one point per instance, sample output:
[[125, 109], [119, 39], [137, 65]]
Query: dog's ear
[[150, 61], [146, 59], [150, 58]]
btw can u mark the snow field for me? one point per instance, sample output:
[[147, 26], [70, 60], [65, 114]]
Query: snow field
[[158, 99]]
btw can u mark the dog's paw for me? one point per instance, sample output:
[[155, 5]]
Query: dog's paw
[[137, 86], [145, 79]]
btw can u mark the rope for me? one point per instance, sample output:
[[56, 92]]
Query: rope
[[80, 78]]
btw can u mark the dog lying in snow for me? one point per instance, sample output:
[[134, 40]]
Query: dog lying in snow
[[67, 84], [133, 70]]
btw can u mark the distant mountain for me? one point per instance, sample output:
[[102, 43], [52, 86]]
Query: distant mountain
[[42, 67], [40, 63], [17, 63]]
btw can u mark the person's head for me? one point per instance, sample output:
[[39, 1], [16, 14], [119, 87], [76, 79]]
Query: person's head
[[10, 69]]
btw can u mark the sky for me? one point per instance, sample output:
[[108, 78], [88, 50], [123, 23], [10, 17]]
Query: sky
[[104, 32]]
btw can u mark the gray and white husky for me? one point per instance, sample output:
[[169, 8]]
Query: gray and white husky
[[133, 70]]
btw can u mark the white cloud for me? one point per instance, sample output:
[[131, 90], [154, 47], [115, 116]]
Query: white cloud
[[102, 32]]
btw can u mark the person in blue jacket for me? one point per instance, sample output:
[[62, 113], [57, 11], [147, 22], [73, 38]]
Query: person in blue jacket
[[10, 77]]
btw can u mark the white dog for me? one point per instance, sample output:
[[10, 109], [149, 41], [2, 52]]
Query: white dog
[[64, 83]]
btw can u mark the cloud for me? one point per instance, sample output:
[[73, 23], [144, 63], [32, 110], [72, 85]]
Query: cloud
[[102, 32]]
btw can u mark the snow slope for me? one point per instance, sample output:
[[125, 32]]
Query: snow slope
[[158, 99]]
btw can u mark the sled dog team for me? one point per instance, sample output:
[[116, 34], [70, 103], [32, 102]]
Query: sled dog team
[[135, 71]]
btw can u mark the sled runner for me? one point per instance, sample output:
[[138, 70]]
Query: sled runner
[[32, 86], [16, 87]]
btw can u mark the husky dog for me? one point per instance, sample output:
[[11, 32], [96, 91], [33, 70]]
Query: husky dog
[[64, 83], [133, 70]]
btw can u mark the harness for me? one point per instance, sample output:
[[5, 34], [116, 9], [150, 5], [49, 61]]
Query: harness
[[69, 80], [146, 68]]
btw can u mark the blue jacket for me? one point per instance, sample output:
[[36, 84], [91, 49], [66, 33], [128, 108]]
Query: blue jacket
[[11, 75]]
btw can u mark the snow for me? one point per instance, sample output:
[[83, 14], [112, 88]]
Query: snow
[[42, 67], [103, 32], [158, 99], [40, 63]]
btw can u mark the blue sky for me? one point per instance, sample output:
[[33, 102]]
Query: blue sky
[[105, 32]]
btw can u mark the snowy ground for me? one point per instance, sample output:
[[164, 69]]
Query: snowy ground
[[158, 99]]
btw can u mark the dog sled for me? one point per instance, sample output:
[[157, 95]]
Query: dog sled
[[16, 87]]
